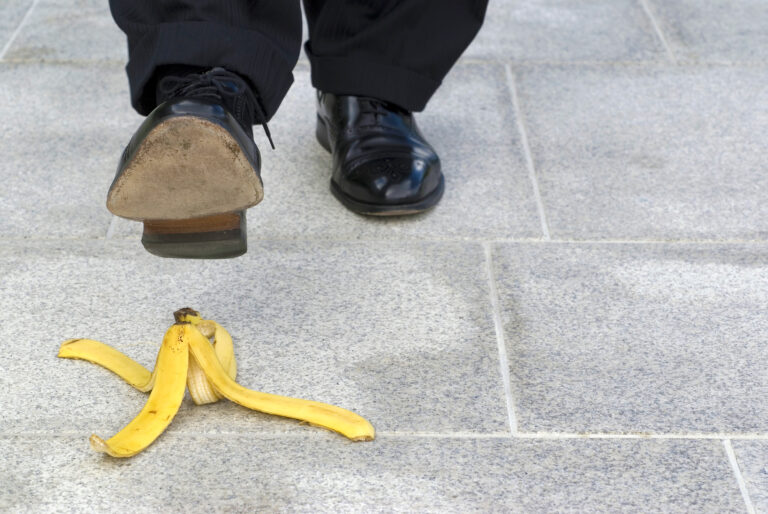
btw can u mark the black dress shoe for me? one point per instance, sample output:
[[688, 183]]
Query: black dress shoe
[[382, 165], [192, 167]]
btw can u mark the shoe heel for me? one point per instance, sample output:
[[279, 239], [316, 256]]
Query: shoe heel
[[219, 236], [321, 132]]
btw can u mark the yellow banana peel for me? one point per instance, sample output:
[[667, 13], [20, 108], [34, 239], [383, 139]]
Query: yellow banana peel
[[163, 403], [106, 356], [334, 418], [188, 360]]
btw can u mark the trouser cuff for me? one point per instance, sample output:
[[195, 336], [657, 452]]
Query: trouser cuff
[[353, 76], [197, 43]]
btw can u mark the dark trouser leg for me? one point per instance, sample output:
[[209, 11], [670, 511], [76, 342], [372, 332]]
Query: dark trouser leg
[[258, 39], [395, 50]]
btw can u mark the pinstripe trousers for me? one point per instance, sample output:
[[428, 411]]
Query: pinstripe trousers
[[395, 50]]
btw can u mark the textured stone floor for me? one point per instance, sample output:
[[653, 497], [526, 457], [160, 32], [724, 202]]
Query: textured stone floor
[[580, 326]]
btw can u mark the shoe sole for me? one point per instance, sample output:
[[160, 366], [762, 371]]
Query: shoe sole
[[183, 177], [372, 209]]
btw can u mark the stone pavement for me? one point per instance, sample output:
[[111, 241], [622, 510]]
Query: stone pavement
[[579, 326]]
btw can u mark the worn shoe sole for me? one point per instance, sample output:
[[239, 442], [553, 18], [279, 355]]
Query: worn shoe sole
[[189, 180], [377, 209]]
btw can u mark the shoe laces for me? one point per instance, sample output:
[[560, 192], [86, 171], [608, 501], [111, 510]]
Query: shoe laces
[[222, 86]]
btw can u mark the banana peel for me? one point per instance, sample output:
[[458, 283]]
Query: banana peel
[[188, 361]]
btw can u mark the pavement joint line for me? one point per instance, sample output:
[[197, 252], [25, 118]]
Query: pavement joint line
[[466, 240], [657, 28], [640, 241], [555, 435], [527, 150], [500, 343], [185, 435], [445, 435], [420, 435], [313, 434], [16, 32], [609, 435], [739, 477]]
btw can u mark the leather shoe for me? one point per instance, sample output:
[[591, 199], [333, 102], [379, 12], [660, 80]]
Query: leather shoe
[[192, 167], [382, 165]]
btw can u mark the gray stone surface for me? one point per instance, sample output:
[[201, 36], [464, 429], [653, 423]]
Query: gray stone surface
[[401, 333], [471, 124], [11, 14], [715, 30], [649, 152], [752, 457], [565, 30], [70, 30], [636, 338], [323, 474], [64, 129], [393, 318]]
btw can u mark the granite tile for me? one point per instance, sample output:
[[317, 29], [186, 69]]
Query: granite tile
[[649, 151], [70, 30], [715, 30], [320, 474], [64, 130], [752, 457], [636, 338], [11, 14], [470, 122], [400, 333], [562, 30]]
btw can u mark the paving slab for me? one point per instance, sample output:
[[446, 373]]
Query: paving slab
[[63, 133], [649, 152], [471, 124], [320, 474], [11, 14], [631, 338], [401, 333], [715, 30], [393, 318], [752, 457], [70, 30], [563, 30]]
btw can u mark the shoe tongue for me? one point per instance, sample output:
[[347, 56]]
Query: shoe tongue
[[374, 102], [162, 86], [192, 83]]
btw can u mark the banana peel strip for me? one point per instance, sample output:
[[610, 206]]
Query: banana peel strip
[[334, 418], [200, 389], [163, 403], [187, 359], [107, 357]]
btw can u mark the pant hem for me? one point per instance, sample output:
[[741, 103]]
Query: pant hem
[[246, 52], [353, 76]]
